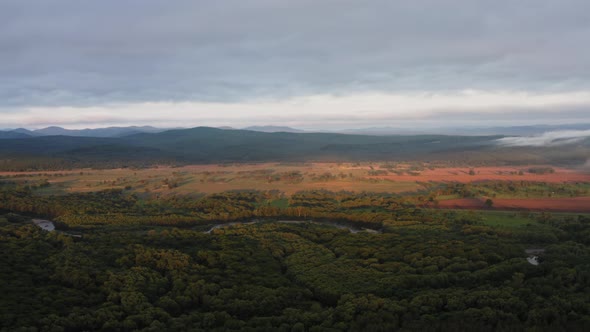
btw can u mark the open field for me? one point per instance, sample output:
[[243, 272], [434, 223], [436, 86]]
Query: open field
[[504, 173], [197, 179], [507, 219], [540, 192], [288, 178]]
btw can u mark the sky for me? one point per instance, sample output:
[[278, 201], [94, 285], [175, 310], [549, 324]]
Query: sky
[[321, 64]]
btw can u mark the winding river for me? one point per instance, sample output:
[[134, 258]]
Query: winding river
[[351, 229], [49, 226]]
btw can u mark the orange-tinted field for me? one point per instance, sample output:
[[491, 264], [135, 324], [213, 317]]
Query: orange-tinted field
[[199, 179], [290, 178], [504, 173]]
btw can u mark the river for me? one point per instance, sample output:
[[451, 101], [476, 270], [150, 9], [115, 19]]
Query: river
[[45, 225], [351, 229], [49, 226]]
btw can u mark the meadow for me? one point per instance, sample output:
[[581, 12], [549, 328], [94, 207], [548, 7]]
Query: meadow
[[509, 187]]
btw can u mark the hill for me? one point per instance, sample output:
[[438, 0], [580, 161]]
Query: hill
[[212, 145], [96, 132], [274, 129], [466, 131], [205, 144], [12, 134]]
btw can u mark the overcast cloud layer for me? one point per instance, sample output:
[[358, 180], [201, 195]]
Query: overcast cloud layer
[[314, 64]]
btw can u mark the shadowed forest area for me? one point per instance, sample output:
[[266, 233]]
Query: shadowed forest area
[[121, 262]]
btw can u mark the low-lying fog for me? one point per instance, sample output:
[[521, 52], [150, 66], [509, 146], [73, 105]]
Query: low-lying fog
[[551, 138]]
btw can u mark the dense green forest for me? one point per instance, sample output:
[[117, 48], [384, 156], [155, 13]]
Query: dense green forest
[[120, 262], [512, 189]]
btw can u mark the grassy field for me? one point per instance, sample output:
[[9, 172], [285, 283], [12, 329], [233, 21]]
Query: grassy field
[[285, 177], [215, 178], [507, 219], [509, 187]]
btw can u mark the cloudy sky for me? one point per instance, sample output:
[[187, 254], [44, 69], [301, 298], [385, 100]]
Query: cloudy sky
[[315, 64]]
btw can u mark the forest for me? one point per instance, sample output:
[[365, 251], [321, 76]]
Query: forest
[[119, 261]]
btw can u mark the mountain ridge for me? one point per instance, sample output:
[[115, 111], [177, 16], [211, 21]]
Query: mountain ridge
[[273, 129], [202, 145], [87, 132], [370, 131]]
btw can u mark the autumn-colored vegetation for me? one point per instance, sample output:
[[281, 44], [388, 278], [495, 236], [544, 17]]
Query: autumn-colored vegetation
[[426, 270], [128, 255]]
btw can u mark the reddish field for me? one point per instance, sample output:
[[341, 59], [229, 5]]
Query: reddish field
[[357, 177], [445, 174], [504, 173], [574, 204]]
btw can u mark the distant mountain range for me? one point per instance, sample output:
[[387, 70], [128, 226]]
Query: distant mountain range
[[214, 145], [12, 134], [98, 132], [119, 131], [205, 144], [274, 129], [374, 131], [466, 131]]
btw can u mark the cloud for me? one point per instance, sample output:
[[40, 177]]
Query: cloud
[[409, 110], [87, 53], [552, 138]]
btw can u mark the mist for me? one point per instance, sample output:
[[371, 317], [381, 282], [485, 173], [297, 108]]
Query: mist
[[551, 138]]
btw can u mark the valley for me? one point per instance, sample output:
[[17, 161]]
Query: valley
[[138, 235]]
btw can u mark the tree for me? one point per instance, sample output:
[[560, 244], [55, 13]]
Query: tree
[[489, 203]]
